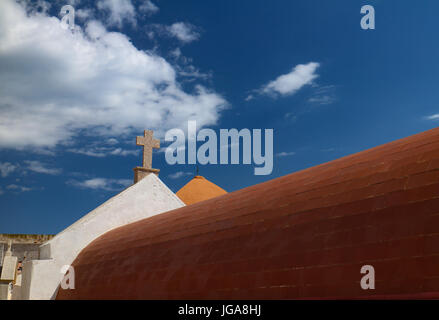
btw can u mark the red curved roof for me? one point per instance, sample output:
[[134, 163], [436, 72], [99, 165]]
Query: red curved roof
[[304, 235]]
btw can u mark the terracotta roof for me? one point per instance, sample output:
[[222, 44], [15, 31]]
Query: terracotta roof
[[304, 235], [199, 189]]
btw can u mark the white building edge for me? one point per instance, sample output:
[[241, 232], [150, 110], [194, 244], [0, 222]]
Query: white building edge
[[146, 198]]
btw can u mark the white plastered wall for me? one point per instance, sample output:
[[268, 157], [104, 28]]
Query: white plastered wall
[[146, 198]]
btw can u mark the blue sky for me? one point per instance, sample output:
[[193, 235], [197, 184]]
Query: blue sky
[[72, 105]]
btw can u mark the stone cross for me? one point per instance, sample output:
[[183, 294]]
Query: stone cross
[[148, 142]]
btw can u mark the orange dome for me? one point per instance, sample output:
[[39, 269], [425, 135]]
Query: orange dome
[[199, 189]]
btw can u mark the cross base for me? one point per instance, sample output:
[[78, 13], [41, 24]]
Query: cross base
[[140, 173]]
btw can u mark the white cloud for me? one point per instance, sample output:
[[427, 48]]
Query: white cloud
[[176, 53], [84, 14], [38, 167], [285, 154], [433, 117], [182, 31], [185, 32], [18, 188], [74, 2], [185, 69], [321, 99], [122, 152], [112, 141], [148, 7], [323, 95], [101, 152], [118, 11], [101, 184], [91, 152], [39, 5], [6, 168], [290, 83], [56, 84], [191, 72], [179, 174], [249, 97]]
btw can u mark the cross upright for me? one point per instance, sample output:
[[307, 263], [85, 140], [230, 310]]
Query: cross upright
[[148, 142]]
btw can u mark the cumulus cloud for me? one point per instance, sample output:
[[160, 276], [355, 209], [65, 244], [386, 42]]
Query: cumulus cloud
[[57, 84], [148, 7], [182, 31], [185, 32], [40, 5], [185, 69], [179, 174], [101, 184], [290, 83], [84, 14], [119, 11], [6, 168], [39, 167]]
